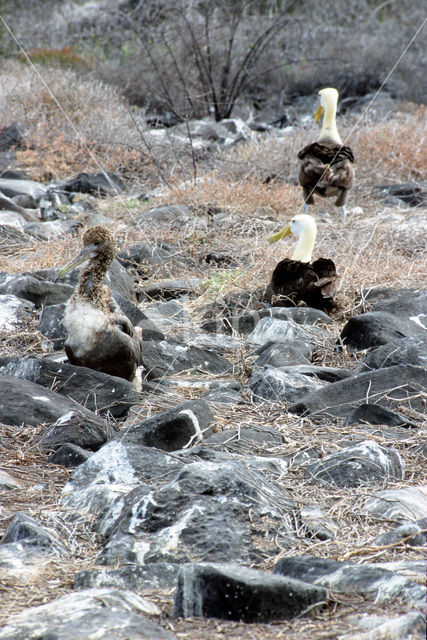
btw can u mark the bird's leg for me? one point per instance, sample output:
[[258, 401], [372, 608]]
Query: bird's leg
[[308, 195], [343, 213], [304, 208]]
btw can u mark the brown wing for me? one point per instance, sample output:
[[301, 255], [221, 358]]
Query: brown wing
[[291, 279], [293, 282], [328, 153], [326, 166], [327, 276]]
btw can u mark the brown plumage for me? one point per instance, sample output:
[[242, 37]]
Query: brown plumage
[[99, 335], [326, 165], [293, 282], [327, 171], [298, 280]]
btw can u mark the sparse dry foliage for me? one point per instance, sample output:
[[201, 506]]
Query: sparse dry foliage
[[377, 247]]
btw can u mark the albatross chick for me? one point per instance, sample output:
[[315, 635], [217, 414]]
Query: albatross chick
[[99, 335]]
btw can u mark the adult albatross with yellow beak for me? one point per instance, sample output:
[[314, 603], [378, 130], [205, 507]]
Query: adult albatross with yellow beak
[[99, 335], [298, 279], [326, 165]]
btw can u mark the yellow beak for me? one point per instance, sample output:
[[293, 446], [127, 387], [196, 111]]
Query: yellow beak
[[318, 113], [286, 231]]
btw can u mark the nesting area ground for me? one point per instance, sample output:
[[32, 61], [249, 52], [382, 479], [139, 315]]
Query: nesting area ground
[[375, 247]]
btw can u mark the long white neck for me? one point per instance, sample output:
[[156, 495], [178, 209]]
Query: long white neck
[[305, 245], [329, 131]]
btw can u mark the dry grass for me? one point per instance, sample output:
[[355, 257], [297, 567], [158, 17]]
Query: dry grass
[[92, 129], [377, 247]]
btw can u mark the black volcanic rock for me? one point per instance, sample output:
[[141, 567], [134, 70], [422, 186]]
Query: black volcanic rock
[[231, 592], [376, 414], [33, 404], [174, 429], [391, 387], [401, 351], [376, 328], [95, 390]]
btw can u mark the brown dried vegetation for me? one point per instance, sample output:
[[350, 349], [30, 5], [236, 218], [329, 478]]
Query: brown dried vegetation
[[368, 252]]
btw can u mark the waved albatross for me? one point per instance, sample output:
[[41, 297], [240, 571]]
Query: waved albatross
[[99, 335], [326, 165], [298, 279]]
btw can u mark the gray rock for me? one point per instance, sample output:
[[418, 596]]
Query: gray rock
[[145, 260], [345, 577], [109, 614], [412, 534], [278, 386], [69, 456], [89, 432], [300, 315], [232, 592], [404, 303], [9, 205], [279, 354], [39, 292], [98, 184], [168, 357], [51, 325], [13, 219], [14, 312], [402, 351], [317, 524], [217, 341], [49, 230], [276, 330], [376, 328], [31, 534], [228, 322], [34, 404], [11, 188], [98, 486], [393, 387], [156, 577], [8, 481], [168, 314], [413, 194], [169, 288], [12, 136], [175, 429], [410, 626], [223, 396], [205, 512], [226, 132], [172, 216], [399, 505], [376, 414], [95, 390], [363, 464], [328, 374], [249, 436]]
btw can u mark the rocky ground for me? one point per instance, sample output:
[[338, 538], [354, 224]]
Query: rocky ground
[[266, 476]]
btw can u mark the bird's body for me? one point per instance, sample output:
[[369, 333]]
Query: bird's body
[[326, 166], [99, 335], [298, 280]]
